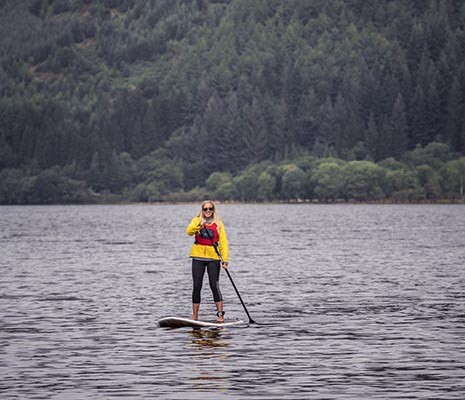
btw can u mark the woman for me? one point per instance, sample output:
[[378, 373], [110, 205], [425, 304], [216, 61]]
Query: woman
[[207, 228]]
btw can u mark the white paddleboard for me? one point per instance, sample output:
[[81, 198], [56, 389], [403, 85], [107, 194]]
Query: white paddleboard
[[177, 322]]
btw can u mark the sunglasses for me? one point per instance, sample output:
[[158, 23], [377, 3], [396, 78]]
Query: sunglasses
[[208, 209]]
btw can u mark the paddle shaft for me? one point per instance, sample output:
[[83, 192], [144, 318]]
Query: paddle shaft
[[215, 246], [251, 321]]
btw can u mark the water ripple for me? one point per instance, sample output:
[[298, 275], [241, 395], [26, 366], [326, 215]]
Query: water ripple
[[353, 302]]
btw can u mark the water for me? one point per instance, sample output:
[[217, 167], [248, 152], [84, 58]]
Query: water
[[353, 301]]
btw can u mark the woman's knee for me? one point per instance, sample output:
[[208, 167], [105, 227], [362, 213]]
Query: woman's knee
[[197, 286]]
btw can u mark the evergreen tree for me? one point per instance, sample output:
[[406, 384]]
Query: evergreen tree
[[327, 128], [232, 156], [342, 139], [215, 122], [385, 144], [255, 135], [417, 45], [455, 118], [306, 124], [217, 85], [435, 117], [7, 156], [292, 95], [398, 128], [274, 115], [372, 97], [26, 149], [420, 118], [372, 139], [148, 137]]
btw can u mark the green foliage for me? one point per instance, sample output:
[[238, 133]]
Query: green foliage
[[217, 179], [156, 177], [363, 181], [49, 186], [328, 180], [162, 175], [430, 181], [292, 182], [244, 187], [399, 183], [434, 155], [146, 192], [10, 186], [266, 186], [454, 174], [149, 98]]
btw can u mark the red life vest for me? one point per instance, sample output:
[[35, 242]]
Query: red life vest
[[204, 235]]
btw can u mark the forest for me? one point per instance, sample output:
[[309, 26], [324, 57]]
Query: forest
[[236, 100]]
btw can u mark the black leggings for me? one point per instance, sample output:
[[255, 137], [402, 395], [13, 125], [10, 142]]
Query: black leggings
[[198, 271]]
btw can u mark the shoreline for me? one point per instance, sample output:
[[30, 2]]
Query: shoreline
[[233, 202]]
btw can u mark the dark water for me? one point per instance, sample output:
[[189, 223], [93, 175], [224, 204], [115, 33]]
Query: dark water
[[355, 302]]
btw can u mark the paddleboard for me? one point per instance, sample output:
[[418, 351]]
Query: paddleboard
[[177, 322]]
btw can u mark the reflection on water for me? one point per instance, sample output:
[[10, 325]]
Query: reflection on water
[[208, 339], [208, 356], [352, 301]]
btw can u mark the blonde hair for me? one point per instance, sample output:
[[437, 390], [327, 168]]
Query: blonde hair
[[215, 217]]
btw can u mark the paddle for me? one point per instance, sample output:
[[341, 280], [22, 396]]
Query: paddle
[[215, 246]]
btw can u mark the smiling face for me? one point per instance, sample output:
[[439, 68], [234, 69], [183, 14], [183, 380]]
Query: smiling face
[[208, 209]]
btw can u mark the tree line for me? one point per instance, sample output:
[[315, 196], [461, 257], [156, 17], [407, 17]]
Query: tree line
[[425, 174], [88, 88]]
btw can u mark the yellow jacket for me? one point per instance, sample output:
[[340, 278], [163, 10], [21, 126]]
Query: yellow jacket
[[202, 251]]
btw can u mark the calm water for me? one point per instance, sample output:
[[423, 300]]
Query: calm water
[[353, 301]]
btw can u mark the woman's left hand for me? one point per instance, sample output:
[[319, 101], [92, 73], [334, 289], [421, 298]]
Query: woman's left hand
[[224, 265]]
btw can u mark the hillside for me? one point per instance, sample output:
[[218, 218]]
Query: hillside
[[145, 98]]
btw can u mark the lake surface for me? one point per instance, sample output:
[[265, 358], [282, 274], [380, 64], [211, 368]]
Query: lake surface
[[352, 302]]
